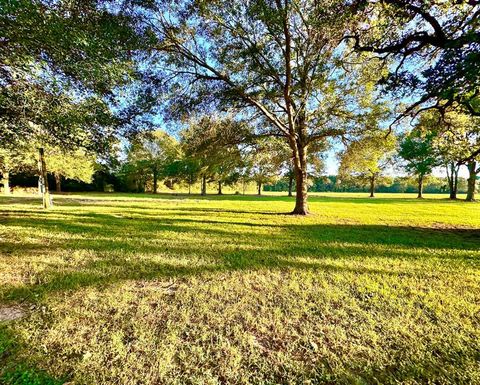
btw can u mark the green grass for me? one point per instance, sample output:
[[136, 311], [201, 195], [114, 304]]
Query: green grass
[[143, 289]]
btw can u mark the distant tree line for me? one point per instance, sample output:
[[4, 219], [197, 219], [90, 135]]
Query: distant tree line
[[398, 184], [208, 154]]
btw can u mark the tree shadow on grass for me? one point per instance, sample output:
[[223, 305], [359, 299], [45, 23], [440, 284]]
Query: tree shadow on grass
[[113, 200], [136, 225], [139, 246], [145, 247]]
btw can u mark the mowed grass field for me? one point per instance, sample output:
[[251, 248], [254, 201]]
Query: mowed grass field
[[142, 289]]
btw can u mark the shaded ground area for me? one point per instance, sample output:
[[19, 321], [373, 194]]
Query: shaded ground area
[[230, 290]]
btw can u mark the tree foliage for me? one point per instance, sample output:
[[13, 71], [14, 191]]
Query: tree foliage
[[61, 62], [368, 158], [435, 46], [76, 165], [279, 64]]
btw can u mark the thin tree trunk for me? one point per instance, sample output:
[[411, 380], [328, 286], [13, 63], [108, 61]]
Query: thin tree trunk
[[189, 188], [420, 187], [453, 179], [472, 180], [58, 182], [6, 182], [450, 178], [47, 203], [204, 185], [220, 188], [372, 187], [259, 188], [290, 185]]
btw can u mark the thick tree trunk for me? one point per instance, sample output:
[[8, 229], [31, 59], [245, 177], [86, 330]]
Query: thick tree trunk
[[204, 185], [420, 187], [372, 187], [290, 185], [58, 182], [47, 203], [301, 197], [472, 180], [6, 182], [220, 188], [259, 187]]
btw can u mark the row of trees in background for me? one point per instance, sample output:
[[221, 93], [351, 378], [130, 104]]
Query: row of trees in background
[[451, 140], [207, 151]]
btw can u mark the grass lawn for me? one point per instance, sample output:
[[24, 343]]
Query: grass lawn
[[142, 289]]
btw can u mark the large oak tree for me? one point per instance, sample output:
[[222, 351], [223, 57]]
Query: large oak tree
[[277, 62]]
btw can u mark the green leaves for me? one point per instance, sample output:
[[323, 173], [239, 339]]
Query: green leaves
[[418, 150], [62, 63], [368, 156]]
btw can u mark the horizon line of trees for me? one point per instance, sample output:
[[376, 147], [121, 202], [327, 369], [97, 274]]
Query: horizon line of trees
[[209, 152]]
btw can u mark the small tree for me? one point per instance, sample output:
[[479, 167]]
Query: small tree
[[213, 143], [149, 156], [420, 157], [457, 141], [267, 160], [187, 169], [69, 165], [368, 158]]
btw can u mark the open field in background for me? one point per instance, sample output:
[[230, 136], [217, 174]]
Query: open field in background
[[144, 289]]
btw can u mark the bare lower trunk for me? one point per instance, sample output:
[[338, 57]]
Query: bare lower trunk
[[204, 185], [290, 185], [43, 179], [6, 183], [220, 188], [420, 187], [301, 206], [372, 187], [472, 180], [189, 188], [259, 186], [58, 182], [452, 176]]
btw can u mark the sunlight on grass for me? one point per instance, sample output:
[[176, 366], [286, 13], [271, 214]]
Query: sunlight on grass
[[130, 289]]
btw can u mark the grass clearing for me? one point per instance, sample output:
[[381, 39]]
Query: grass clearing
[[138, 289]]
